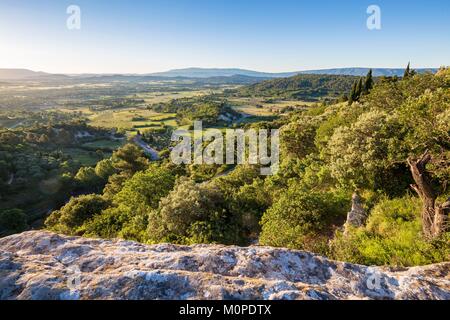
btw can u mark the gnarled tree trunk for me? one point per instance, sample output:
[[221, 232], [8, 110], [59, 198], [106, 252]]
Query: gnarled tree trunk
[[434, 216]]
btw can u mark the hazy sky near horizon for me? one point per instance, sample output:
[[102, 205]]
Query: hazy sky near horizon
[[273, 36]]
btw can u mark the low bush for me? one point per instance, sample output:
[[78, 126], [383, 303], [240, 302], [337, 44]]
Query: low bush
[[392, 236]]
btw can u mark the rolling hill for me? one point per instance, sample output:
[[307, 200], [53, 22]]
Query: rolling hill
[[25, 74], [360, 72], [308, 87], [14, 74], [244, 76], [217, 72]]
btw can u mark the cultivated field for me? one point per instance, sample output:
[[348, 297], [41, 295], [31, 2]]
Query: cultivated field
[[130, 119], [160, 97]]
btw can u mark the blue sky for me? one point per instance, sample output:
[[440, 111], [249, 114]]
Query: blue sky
[[119, 36]]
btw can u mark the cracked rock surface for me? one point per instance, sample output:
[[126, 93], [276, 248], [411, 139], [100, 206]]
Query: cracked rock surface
[[43, 265]]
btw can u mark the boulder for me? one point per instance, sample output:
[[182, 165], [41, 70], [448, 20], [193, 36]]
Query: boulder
[[358, 215], [43, 265]]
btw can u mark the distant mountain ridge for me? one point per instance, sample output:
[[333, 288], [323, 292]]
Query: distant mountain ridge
[[359, 72], [25, 74], [12, 74], [216, 72], [199, 73], [220, 72]]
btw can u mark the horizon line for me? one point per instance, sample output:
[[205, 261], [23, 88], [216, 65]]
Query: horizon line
[[209, 68]]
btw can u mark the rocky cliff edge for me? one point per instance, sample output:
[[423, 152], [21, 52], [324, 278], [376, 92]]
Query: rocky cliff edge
[[43, 265]]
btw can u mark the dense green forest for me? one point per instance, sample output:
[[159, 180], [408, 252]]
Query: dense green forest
[[39, 166], [300, 87], [393, 134], [208, 109]]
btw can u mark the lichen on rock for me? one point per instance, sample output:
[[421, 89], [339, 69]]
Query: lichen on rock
[[43, 265]]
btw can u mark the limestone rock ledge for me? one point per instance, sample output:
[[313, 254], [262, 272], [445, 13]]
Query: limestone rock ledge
[[43, 265]]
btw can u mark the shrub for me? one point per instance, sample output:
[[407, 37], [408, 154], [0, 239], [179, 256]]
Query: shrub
[[106, 225], [127, 218], [129, 159], [78, 210], [359, 153], [87, 178], [302, 220], [12, 221], [104, 169], [392, 236], [297, 138], [194, 213], [145, 188]]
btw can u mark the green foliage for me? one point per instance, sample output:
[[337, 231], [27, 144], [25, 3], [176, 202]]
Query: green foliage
[[361, 87], [146, 188], [205, 172], [425, 121], [368, 82], [126, 217], [129, 159], [302, 87], [407, 72], [115, 184], [247, 197], [207, 109], [108, 224], [316, 110], [302, 219], [125, 162], [12, 221], [391, 237], [75, 213], [326, 152], [38, 163], [297, 138], [390, 94], [363, 146], [359, 152], [194, 213], [104, 169], [159, 138], [87, 177], [326, 129], [249, 202], [353, 94]]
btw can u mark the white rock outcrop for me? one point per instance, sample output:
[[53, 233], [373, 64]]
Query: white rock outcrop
[[43, 265]]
